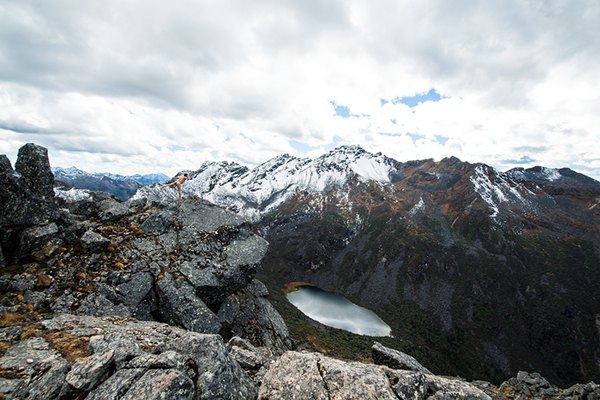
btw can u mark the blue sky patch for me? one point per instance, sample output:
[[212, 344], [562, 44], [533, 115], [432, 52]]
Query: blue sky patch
[[415, 137], [441, 139], [522, 160], [344, 111], [413, 101]]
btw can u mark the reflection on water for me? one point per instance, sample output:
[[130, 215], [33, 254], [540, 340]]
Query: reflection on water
[[337, 312]]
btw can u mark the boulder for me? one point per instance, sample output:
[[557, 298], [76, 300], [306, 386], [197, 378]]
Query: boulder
[[396, 359], [33, 239], [93, 241]]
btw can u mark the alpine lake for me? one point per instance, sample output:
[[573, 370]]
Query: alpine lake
[[336, 311]]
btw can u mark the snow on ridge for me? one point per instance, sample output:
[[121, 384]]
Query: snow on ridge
[[550, 174], [257, 191], [73, 194], [497, 192]]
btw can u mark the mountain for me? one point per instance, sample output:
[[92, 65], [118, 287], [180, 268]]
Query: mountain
[[119, 185], [101, 298], [261, 190], [480, 273]]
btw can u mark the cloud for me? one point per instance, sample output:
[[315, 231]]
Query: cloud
[[137, 86]]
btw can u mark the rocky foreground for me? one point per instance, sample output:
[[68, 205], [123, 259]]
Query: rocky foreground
[[101, 299]]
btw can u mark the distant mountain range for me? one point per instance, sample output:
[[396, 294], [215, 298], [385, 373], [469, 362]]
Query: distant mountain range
[[121, 186]]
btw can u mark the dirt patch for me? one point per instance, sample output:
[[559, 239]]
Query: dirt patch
[[293, 286]]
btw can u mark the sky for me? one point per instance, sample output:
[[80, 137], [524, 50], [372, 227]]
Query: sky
[[144, 86]]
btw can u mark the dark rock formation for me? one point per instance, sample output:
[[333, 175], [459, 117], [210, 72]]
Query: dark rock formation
[[27, 196]]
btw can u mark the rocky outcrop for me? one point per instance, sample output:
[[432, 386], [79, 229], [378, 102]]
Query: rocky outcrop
[[27, 196], [120, 358], [313, 376], [188, 263]]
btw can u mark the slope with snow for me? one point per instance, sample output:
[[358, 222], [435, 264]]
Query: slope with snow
[[260, 190]]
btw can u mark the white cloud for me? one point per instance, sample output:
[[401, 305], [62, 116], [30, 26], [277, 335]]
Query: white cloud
[[142, 86]]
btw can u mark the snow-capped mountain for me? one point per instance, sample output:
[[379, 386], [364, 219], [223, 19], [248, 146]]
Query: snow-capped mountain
[[256, 192], [262, 189], [122, 186]]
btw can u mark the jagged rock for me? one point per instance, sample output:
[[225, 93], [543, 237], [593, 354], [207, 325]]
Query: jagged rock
[[162, 384], [180, 306], [27, 196], [529, 385], [32, 239], [116, 385], [33, 369], [219, 376], [93, 240], [396, 359], [250, 315], [248, 356], [589, 391], [86, 373], [130, 359], [314, 376], [2, 262], [111, 209], [34, 166]]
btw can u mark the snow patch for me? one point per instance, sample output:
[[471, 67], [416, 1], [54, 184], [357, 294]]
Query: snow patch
[[72, 195]]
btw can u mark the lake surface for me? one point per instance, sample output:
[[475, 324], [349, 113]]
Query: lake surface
[[337, 312]]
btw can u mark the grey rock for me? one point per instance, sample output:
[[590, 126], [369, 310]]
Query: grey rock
[[219, 376], [34, 166], [94, 241], [313, 376], [10, 334], [116, 385], [452, 389], [111, 209], [247, 314], [124, 346], [162, 385], [36, 370], [294, 376], [409, 386], [179, 305], [589, 391], [2, 262], [132, 292], [529, 385], [87, 372], [396, 359], [97, 304], [32, 239], [164, 360]]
